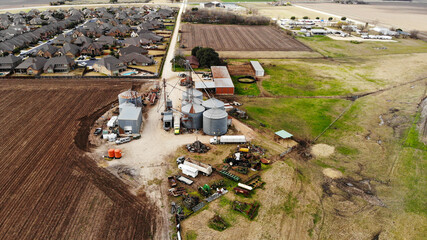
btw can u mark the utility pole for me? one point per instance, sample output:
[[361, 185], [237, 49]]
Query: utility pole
[[164, 94]]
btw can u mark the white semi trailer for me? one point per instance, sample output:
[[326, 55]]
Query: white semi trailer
[[205, 169], [189, 171], [228, 139]]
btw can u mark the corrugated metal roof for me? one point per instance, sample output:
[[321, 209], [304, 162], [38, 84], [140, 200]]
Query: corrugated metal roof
[[257, 66], [192, 108], [223, 82], [220, 72], [203, 85], [283, 134], [130, 113]]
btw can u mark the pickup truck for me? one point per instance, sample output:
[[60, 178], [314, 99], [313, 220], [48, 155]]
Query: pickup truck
[[123, 140]]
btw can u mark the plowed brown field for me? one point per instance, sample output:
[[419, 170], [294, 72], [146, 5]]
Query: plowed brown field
[[49, 188], [238, 38]]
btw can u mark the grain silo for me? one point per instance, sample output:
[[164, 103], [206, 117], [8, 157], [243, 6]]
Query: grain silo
[[193, 116], [213, 103], [215, 122], [130, 96], [197, 101], [187, 95]]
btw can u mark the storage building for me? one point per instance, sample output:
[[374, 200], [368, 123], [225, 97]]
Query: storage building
[[259, 71], [223, 83], [130, 120]]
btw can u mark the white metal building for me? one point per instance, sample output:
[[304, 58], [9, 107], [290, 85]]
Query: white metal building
[[259, 71]]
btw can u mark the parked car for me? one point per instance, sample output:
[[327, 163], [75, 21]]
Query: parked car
[[123, 140], [98, 131]]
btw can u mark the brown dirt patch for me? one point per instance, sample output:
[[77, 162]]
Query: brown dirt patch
[[322, 150]]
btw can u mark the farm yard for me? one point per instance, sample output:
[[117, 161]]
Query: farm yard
[[239, 39], [50, 188]]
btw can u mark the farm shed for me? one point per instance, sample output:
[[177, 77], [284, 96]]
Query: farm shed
[[223, 83], [130, 119], [259, 71]]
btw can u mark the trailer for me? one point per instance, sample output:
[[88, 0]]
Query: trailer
[[176, 124], [188, 170], [112, 122], [184, 180], [228, 139], [244, 186], [205, 169]]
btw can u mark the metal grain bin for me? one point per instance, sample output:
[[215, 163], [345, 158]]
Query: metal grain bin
[[130, 96], [196, 94], [215, 122], [197, 101], [193, 116], [213, 103]]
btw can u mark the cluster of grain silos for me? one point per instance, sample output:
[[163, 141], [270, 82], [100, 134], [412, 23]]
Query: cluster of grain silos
[[209, 115], [130, 96]]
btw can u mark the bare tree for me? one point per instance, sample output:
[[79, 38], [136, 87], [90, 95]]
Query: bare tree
[[414, 34]]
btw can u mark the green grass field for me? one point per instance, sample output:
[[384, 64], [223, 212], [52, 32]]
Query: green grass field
[[245, 88], [332, 48], [301, 80], [304, 118]]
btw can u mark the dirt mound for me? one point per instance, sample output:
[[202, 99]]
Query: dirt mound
[[322, 150], [332, 173]]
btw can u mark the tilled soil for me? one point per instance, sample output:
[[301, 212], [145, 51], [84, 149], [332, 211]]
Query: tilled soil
[[50, 188]]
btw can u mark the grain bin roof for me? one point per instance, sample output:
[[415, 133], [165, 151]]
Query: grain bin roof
[[192, 108], [130, 113], [215, 113], [213, 103]]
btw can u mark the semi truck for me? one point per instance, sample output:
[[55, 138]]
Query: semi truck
[[189, 171], [205, 169], [228, 139]]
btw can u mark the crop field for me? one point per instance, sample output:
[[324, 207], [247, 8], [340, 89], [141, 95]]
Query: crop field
[[50, 188], [239, 38]]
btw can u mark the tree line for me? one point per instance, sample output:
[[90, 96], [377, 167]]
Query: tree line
[[222, 17]]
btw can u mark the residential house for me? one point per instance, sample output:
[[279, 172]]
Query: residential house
[[150, 36], [92, 49], [132, 49], [62, 39], [118, 31], [110, 66], [31, 66], [80, 41], [136, 59], [36, 21], [136, 41], [107, 40], [47, 51], [70, 50], [192, 60], [9, 63], [59, 64]]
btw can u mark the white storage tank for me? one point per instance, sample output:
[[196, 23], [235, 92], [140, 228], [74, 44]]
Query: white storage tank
[[215, 122], [196, 94], [130, 96], [193, 116], [213, 103]]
